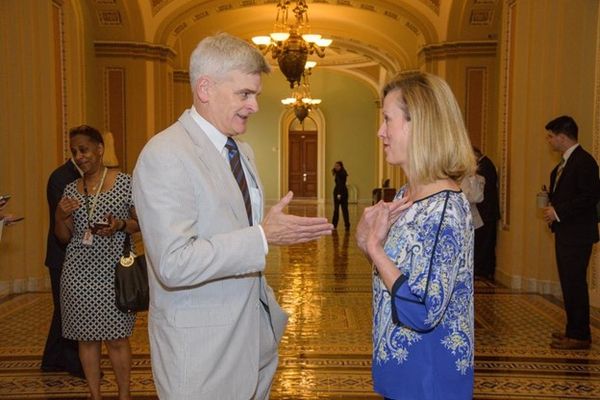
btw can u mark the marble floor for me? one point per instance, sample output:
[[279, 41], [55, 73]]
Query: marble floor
[[325, 353]]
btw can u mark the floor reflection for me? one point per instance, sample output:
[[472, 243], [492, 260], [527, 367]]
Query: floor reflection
[[340, 254]]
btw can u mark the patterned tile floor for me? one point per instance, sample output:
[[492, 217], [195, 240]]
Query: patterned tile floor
[[325, 353]]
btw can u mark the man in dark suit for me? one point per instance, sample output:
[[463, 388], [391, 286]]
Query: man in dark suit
[[60, 354], [489, 210], [574, 192]]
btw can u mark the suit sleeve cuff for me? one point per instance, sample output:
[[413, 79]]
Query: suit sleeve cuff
[[555, 215], [395, 289], [264, 238]]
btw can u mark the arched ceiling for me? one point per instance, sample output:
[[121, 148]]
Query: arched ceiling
[[368, 34]]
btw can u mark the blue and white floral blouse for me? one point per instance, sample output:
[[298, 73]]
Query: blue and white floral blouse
[[423, 340]]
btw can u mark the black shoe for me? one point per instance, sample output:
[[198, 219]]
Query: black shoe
[[81, 375], [558, 335], [52, 368], [568, 343], [77, 373]]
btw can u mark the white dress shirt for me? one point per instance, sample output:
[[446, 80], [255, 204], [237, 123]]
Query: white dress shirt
[[219, 140]]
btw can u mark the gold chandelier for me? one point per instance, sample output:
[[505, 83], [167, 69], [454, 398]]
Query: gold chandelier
[[292, 42], [301, 100]]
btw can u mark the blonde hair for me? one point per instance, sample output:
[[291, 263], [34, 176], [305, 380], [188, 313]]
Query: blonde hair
[[439, 147], [109, 159]]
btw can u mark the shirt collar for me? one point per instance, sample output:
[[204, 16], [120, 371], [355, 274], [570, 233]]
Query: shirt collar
[[569, 151], [217, 138]]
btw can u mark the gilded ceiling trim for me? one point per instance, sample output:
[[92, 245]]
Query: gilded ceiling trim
[[441, 51], [147, 51], [208, 11], [482, 12], [482, 17], [158, 5], [433, 4], [110, 18]]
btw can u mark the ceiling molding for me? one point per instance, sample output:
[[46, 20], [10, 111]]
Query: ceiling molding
[[434, 5], [181, 76], [147, 51], [441, 51]]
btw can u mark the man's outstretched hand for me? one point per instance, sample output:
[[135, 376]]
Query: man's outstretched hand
[[282, 229]]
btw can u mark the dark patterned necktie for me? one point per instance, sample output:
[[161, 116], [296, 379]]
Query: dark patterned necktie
[[238, 172], [559, 171]]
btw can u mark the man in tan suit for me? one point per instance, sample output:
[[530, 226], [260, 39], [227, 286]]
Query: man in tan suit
[[214, 323]]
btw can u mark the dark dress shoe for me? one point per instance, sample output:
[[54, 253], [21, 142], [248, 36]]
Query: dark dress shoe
[[81, 375], [52, 368], [558, 335], [568, 343], [78, 374]]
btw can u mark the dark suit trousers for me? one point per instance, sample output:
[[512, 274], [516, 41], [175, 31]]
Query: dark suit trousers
[[59, 353], [572, 261], [485, 249]]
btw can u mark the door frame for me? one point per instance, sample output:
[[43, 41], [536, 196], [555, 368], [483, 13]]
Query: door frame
[[284, 127]]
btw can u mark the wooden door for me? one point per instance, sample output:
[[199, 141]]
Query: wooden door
[[303, 163]]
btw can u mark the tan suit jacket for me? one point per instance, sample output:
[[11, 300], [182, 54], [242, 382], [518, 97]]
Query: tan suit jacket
[[205, 267]]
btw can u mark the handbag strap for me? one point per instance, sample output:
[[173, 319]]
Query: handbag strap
[[127, 245]]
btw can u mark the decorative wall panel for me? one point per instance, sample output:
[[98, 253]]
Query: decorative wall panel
[[476, 105], [59, 80], [509, 47], [115, 111]]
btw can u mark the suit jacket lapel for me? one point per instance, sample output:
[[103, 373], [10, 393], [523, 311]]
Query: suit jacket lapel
[[216, 165]]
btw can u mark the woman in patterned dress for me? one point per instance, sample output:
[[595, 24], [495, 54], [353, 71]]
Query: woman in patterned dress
[[421, 247], [89, 314]]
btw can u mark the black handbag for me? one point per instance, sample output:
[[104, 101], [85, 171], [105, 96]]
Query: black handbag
[[131, 281]]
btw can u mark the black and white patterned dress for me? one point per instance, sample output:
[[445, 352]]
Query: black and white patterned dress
[[87, 289]]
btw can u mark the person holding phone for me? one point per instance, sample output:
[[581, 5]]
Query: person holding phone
[[94, 216], [7, 219], [3, 201], [340, 195]]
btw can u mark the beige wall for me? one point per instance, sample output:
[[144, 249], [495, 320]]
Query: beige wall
[[28, 137]]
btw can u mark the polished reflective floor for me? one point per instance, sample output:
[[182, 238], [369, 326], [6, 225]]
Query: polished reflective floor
[[325, 353]]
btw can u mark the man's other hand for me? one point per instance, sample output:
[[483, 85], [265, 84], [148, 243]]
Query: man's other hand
[[549, 214], [282, 229]]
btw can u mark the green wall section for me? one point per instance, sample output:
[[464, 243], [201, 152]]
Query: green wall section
[[351, 117]]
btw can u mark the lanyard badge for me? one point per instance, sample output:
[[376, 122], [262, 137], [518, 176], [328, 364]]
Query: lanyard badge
[[88, 236]]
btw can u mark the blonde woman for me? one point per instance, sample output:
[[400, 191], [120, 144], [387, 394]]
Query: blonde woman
[[421, 246]]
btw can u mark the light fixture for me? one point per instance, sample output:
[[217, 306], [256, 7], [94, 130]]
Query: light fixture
[[301, 100], [292, 42]]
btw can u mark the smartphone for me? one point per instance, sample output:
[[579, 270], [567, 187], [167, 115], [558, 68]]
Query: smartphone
[[99, 225], [4, 198]]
